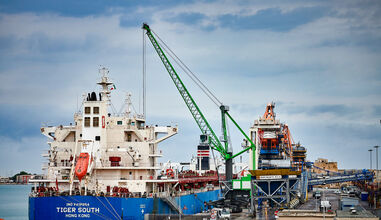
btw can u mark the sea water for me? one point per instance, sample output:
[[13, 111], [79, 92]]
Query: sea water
[[14, 201]]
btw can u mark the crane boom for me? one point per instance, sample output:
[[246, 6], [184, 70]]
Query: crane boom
[[199, 117], [189, 101]]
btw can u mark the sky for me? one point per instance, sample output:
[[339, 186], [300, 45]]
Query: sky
[[319, 61]]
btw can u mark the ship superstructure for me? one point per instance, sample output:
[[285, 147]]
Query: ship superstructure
[[102, 150]]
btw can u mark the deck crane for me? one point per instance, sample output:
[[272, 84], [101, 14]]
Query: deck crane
[[223, 148]]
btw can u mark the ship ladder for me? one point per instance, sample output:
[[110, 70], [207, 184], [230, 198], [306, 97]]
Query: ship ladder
[[173, 204]]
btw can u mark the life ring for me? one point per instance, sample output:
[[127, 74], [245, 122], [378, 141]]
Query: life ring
[[213, 214], [170, 173]]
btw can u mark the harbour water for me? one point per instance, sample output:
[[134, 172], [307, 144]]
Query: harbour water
[[14, 202]]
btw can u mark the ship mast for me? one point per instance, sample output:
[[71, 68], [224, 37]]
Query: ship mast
[[105, 83]]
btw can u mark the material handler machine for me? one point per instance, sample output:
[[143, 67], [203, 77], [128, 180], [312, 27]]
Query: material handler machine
[[222, 145]]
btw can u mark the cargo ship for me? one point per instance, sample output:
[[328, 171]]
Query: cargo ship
[[105, 166]]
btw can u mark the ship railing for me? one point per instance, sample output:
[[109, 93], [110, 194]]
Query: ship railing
[[64, 164], [59, 164], [37, 177], [138, 164], [178, 193]]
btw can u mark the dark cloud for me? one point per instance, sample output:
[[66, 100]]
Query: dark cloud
[[65, 8], [41, 47], [273, 19], [7, 43], [337, 109], [192, 19], [44, 44], [19, 121], [372, 42], [316, 110], [73, 8], [187, 18], [354, 131], [360, 36], [377, 111], [134, 20]]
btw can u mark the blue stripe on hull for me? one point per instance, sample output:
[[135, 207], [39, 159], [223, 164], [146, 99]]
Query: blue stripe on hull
[[90, 207]]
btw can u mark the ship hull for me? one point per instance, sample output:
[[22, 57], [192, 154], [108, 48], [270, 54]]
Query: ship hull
[[96, 207]]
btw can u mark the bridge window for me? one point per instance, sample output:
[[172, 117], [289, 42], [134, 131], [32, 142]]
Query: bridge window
[[87, 121], [96, 110], [87, 110], [96, 122]]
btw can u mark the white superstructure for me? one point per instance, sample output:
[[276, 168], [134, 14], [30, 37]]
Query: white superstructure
[[122, 149]]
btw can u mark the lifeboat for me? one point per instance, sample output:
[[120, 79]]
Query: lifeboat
[[81, 166]]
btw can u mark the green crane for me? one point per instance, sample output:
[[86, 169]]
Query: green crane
[[206, 129]]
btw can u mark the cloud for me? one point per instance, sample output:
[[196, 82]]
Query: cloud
[[23, 153], [317, 60], [346, 143], [79, 8], [21, 121], [272, 19], [317, 110], [187, 18], [377, 110], [334, 109], [70, 8], [134, 20]]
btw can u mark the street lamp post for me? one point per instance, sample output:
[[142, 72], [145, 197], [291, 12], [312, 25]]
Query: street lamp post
[[375, 200], [377, 159], [370, 151]]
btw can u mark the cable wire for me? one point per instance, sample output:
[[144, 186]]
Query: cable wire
[[113, 108], [186, 69], [228, 138], [144, 75], [215, 165]]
